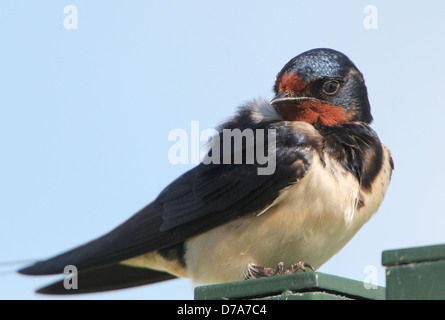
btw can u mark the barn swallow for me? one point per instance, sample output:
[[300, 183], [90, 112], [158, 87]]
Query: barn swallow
[[222, 222]]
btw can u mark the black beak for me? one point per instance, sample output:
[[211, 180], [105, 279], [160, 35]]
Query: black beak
[[288, 98]]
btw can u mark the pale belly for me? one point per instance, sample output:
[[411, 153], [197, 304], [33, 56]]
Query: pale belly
[[311, 221]]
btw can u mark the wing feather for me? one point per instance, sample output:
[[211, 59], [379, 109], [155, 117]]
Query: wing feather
[[202, 198]]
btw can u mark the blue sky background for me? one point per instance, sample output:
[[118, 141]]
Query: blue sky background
[[85, 114]]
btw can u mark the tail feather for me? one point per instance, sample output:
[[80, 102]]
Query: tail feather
[[111, 277]]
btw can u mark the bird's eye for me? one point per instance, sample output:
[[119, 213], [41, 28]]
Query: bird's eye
[[331, 87]]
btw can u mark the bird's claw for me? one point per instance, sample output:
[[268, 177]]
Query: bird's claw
[[255, 272]]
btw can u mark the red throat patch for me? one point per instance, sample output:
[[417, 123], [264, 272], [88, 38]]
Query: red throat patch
[[312, 111]]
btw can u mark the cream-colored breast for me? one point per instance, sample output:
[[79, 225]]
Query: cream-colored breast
[[310, 221]]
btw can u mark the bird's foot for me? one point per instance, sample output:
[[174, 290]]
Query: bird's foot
[[255, 272]]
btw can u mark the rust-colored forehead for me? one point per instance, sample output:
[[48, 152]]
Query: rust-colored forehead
[[291, 82]]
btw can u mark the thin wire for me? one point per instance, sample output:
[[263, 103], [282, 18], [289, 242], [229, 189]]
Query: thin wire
[[6, 264], [4, 273], [11, 263]]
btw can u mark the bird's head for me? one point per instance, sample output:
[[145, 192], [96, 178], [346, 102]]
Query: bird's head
[[321, 86]]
